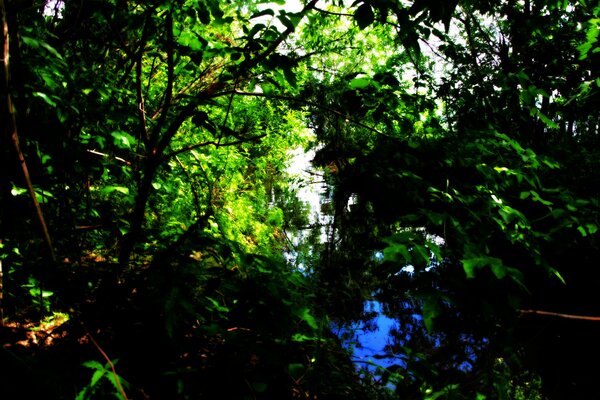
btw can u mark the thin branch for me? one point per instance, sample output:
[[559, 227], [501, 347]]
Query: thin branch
[[1, 292], [333, 13], [216, 144], [170, 78], [124, 161], [560, 315], [141, 102], [112, 365], [12, 126]]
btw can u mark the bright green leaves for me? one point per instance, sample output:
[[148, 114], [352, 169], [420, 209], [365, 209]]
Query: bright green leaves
[[359, 83], [123, 140], [192, 40], [305, 315], [109, 189], [587, 229], [591, 44], [103, 373]]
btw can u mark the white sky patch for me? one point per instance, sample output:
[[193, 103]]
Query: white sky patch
[[54, 8], [291, 6], [310, 185]]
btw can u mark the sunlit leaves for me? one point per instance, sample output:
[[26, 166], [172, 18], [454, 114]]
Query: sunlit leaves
[[359, 83], [123, 140], [591, 44]]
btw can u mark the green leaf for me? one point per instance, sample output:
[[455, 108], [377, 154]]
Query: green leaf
[[92, 364], [397, 252], [472, 264], [536, 197], [255, 29], [304, 314], [109, 189], [217, 306], [298, 337], [359, 83], [260, 387], [296, 370], [364, 15], [286, 22], [268, 11], [431, 309], [290, 77], [45, 97], [558, 275], [123, 140], [36, 44], [97, 376], [215, 9]]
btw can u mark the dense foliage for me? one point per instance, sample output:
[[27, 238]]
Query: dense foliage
[[153, 242]]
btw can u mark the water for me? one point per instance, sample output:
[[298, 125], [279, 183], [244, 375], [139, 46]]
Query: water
[[369, 340]]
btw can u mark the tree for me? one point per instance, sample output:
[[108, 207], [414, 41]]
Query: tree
[[474, 162]]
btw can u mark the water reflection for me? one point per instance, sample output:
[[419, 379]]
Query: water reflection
[[370, 340]]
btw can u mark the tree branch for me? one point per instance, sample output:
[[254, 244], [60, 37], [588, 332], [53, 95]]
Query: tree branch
[[560, 315], [170, 79], [14, 137], [333, 13], [216, 144]]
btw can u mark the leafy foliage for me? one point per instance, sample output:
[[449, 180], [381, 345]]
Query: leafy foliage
[[457, 143]]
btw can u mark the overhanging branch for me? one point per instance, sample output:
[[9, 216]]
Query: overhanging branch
[[560, 315], [211, 143]]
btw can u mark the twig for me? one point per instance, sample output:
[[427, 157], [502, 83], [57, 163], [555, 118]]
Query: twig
[[109, 156], [112, 366], [170, 79], [333, 13], [560, 315], [216, 144]]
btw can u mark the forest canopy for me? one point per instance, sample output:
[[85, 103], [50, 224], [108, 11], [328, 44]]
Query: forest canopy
[[155, 241]]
